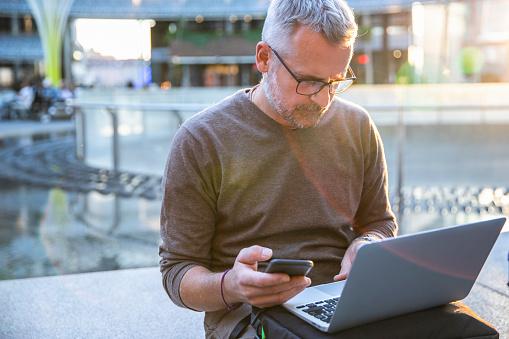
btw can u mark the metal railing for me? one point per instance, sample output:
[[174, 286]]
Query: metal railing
[[113, 111], [80, 111], [401, 124], [176, 109]]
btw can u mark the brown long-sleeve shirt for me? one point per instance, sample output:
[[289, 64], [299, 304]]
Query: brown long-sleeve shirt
[[237, 178]]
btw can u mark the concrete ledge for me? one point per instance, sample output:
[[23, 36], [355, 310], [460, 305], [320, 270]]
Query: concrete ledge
[[132, 304], [115, 304]]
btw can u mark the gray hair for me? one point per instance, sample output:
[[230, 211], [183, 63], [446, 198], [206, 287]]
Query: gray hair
[[333, 18]]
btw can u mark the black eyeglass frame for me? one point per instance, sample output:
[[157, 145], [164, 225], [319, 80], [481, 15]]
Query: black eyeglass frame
[[332, 91]]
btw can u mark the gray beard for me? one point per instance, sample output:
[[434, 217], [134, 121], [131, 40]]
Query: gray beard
[[273, 97]]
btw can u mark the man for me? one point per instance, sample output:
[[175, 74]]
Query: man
[[282, 170]]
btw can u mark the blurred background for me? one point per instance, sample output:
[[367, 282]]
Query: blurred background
[[91, 94]]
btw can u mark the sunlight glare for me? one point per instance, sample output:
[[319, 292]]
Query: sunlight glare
[[118, 39]]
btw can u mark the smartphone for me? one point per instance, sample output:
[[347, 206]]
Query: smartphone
[[288, 266]]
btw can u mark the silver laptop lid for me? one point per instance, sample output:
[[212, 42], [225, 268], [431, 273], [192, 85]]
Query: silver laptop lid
[[414, 272]]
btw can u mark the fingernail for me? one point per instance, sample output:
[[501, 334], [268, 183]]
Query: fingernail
[[267, 253]]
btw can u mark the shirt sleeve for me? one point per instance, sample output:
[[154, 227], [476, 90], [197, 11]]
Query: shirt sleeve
[[187, 213], [374, 216]]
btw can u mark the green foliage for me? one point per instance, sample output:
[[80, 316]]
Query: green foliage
[[202, 38], [252, 35], [407, 75], [471, 60]]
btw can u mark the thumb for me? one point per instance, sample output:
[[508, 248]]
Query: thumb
[[343, 273], [251, 255]]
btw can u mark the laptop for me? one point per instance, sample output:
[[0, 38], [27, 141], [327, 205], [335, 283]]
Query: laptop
[[401, 275]]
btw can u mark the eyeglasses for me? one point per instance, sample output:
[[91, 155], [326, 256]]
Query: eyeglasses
[[311, 87]]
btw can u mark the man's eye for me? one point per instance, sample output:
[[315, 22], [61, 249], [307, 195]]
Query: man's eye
[[312, 83]]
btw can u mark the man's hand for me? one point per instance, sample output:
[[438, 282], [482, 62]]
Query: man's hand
[[348, 259], [244, 284]]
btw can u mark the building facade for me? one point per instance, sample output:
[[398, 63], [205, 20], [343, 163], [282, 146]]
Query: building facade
[[212, 43]]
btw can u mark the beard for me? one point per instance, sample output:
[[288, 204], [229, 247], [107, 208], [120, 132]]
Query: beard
[[301, 116]]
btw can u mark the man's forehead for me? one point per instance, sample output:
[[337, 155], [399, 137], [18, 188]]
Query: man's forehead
[[319, 65], [304, 37], [312, 54]]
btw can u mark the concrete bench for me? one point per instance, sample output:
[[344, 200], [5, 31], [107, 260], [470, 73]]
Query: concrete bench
[[132, 304], [115, 304]]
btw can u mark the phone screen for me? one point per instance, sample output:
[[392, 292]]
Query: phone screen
[[288, 266]]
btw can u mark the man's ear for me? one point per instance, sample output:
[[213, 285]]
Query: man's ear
[[262, 57]]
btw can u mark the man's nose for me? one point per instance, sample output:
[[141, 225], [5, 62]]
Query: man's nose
[[323, 97]]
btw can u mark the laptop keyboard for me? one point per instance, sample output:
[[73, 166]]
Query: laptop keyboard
[[322, 310]]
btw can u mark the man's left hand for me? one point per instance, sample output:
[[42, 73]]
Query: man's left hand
[[347, 262]]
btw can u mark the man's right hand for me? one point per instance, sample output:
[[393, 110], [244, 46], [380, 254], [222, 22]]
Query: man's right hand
[[244, 284]]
